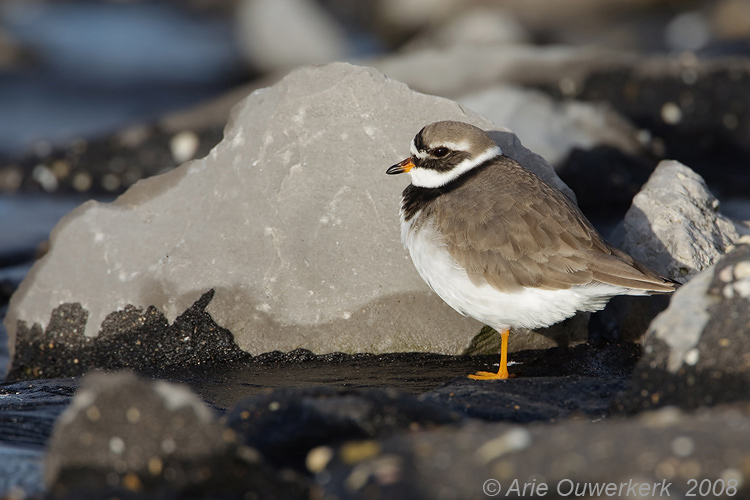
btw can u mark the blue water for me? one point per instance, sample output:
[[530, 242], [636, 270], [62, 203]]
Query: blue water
[[96, 67]]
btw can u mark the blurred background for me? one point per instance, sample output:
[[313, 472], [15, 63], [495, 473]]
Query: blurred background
[[95, 95]]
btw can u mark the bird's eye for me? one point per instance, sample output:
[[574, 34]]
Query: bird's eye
[[440, 152]]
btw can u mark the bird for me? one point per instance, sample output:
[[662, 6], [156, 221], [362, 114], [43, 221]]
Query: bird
[[499, 244]]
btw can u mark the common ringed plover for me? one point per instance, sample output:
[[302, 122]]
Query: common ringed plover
[[499, 244]]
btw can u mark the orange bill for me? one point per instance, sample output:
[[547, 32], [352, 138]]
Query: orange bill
[[401, 167]]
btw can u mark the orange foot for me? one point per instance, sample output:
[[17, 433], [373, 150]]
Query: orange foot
[[500, 375], [502, 372]]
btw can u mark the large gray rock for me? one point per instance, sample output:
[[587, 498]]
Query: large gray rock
[[291, 219]]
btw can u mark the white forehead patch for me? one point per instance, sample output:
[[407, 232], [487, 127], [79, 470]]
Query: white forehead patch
[[416, 153], [429, 178]]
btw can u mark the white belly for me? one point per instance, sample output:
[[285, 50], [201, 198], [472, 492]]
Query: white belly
[[530, 308]]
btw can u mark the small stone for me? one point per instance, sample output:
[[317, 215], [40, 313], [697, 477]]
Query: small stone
[[318, 458], [82, 182], [117, 445], [742, 288], [61, 169], [726, 274], [110, 182], [671, 113], [131, 482], [692, 357], [184, 145], [357, 451], [133, 415], [11, 178], [742, 270], [93, 413], [513, 440], [45, 177], [155, 466]]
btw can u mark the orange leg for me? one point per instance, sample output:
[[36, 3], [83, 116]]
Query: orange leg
[[502, 372]]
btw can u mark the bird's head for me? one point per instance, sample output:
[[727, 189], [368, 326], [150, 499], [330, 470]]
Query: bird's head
[[443, 151]]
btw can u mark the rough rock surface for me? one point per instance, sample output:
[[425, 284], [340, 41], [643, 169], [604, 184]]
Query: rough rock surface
[[696, 352], [675, 226], [653, 455], [127, 434], [691, 233], [290, 219]]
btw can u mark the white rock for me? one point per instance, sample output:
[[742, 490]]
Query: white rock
[[291, 219], [674, 223]]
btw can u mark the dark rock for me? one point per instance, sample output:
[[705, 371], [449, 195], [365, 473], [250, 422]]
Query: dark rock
[[123, 435], [530, 399], [699, 109], [695, 352], [287, 423], [626, 318], [131, 338], [106, 166], [665, 451], [605, 179]]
